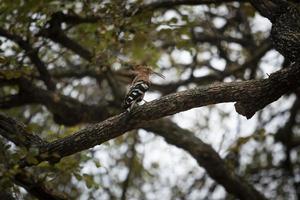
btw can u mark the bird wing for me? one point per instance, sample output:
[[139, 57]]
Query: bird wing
[[136, 93]]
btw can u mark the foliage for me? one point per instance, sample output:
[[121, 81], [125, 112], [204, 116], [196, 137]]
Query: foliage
[[85, 48]]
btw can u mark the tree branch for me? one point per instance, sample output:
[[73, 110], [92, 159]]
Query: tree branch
[[66, 110], [22, 177], [250, 96], [37, 189], [284, 16], [56, 34], [16, 132], [270, 9], [33, 55], [206, 157]]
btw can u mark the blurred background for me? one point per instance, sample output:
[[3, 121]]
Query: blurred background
[[64, 65]]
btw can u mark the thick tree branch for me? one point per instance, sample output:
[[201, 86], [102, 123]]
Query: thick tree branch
[[181, 138], [16, 132], [73, 19], [65, 110], [11, 101], [284, 16], [270, 9], [250, 96], [206, 157], [203, 153]]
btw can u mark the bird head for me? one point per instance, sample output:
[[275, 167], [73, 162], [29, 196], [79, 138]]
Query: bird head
[[142, 69]]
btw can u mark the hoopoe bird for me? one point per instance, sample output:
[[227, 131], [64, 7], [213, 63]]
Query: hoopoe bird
[[139, 86]]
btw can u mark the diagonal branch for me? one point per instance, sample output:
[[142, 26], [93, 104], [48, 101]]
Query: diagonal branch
[[203, 153], [270, 9], [65, 110], [56, 34], [33, 55], [37, 189], [22, 177], [206, 157], [250, 96], [284, 16], [16, 132]]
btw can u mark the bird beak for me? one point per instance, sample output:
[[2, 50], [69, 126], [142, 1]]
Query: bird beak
[[159, 74]]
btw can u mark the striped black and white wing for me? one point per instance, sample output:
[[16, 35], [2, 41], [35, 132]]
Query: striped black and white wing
[[135, 94]]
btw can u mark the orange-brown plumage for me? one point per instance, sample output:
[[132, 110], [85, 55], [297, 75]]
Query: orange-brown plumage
[[142, 73], [139, 85]]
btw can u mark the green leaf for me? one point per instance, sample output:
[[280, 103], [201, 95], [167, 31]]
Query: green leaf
[[89, 180]]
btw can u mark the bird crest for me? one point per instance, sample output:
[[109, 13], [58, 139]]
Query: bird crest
[[143, 72]]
